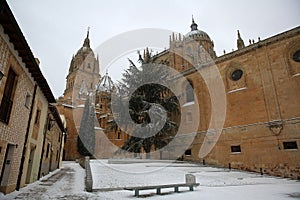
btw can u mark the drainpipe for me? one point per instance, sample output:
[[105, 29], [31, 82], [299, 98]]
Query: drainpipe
[[60, 146], [43, 147], [26, 138], [50, 159]]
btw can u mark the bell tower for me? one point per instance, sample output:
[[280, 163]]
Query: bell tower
[[82, 79], [84, 69]]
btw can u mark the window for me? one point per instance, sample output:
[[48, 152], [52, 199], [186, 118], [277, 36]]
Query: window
[[236, 149], [189, 89], [37, 116], [49, 126], [56, 155], [89, 65], [119, 135], [48, 150], [296, 56], [188, 152], [236, 74], [290, 145], [27, 100], [189, 51], [189, 117], [8, 96]]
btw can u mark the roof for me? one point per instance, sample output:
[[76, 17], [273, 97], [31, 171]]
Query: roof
[[57, 118], [281, 36], [105, 84], [16, 37], [197, 33]]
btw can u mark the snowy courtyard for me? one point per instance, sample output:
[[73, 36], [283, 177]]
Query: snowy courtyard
[[110, 179], [215, 183]]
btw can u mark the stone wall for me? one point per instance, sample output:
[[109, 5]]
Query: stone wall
[[262, 109], [14, 132]]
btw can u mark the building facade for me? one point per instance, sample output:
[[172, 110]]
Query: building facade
[[260, 109], [53, 142], [24, 100], [261, 89]]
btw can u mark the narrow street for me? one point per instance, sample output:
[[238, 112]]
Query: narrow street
[[60, 184]]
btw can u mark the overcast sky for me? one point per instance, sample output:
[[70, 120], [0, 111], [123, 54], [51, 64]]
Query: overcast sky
[[55, 29]]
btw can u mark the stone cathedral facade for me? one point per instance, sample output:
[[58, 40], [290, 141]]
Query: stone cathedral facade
[[261, 131], [84, 80], [261, 83]]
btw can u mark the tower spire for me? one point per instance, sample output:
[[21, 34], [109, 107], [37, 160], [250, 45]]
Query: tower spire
[[240, 42], [88, 32], [87, 40]]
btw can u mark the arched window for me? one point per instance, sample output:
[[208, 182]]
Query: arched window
[[296, 56], [189, 90]]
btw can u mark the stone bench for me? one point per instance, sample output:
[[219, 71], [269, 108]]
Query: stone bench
[[159, 187], [190, 183]]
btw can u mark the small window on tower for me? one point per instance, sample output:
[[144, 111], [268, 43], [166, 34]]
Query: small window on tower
[[89, 65]]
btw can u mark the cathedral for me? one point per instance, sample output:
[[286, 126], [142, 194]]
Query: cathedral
[[84, 82], [255, 126]]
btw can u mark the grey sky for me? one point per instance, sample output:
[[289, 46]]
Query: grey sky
[[55, 29]]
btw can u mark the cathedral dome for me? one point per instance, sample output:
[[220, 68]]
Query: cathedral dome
[[105, 84], [195, 32], [86, 49]]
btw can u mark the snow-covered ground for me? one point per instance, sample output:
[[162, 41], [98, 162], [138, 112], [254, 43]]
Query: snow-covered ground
[[215, 183], [64, 183]]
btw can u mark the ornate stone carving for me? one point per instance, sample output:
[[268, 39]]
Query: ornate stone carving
[[275, 127]]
